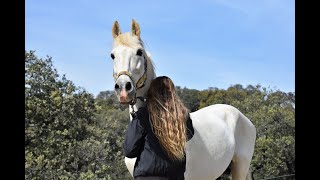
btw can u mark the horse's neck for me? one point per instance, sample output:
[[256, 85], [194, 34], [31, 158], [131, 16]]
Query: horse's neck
[[139, 103], [136, 107], [143, 91]]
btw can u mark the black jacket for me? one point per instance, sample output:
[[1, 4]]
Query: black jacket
[[152, 160]]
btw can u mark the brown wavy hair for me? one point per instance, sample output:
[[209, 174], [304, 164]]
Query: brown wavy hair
[[168, 117]]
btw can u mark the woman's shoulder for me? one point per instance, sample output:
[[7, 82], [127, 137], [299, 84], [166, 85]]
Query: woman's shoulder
[[142, 114], [143, 108], [190, 130], [142, 111]]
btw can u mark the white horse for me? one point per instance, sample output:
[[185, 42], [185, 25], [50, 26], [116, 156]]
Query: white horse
[[222, 135]]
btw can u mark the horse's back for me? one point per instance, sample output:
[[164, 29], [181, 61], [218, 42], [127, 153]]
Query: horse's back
[[222, 113], [211, 149], [214, 143]]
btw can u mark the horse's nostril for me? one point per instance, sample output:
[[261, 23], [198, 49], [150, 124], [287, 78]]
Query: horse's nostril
[[116, 86], [128, 86]]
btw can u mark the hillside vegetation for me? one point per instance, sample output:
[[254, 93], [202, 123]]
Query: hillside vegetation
[[70, 134]]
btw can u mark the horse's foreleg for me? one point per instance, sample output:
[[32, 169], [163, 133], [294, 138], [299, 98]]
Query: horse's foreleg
[[130, 164], [240, 169]]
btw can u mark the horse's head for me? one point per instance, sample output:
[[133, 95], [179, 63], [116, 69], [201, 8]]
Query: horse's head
[[129, 62]]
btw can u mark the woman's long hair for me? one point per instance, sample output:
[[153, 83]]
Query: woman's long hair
[[168, 117]]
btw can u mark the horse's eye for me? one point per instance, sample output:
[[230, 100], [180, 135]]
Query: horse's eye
[[139, 52], [112, 56]]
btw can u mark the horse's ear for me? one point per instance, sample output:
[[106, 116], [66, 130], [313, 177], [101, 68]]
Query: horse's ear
[[135, 28], [116, 29]]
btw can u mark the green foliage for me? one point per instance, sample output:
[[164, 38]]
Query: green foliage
[[69, 134], [108, 100], [66, 135], [190, 97], [273, 114]]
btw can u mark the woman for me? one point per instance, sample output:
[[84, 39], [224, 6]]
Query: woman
[[158, 133]]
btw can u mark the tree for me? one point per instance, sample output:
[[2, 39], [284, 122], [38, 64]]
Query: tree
[[71, 135], [68, 133], [272, 113], [56, 117], [190, 97], [108, 100]]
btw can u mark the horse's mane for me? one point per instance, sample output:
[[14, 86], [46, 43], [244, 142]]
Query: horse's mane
[[129, 40]]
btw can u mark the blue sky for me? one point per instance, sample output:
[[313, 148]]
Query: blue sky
[[199, 44]]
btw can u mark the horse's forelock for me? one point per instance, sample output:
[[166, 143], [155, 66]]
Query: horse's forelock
[[129, 40]]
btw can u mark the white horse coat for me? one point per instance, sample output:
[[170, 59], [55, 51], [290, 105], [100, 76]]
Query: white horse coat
[[223, 135]]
